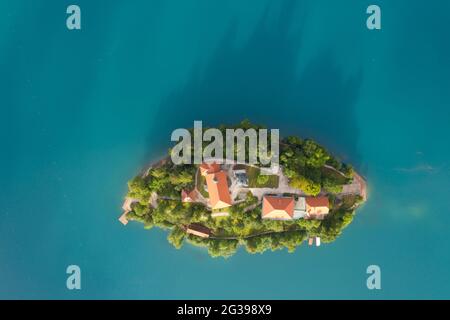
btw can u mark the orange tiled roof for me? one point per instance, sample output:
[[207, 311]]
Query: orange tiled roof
[[317, 205], [207, 168], [278, 207], [219, 194]]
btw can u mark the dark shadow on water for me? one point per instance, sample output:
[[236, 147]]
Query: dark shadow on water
[[260, 81]]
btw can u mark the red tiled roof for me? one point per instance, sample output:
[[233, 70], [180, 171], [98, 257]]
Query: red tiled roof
[[219, 194], [317, 205], [278, 207], [317, 201], [207, 168]]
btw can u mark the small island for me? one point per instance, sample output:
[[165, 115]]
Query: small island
[[310, 197]]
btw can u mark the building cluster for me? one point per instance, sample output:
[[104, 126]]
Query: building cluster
[[274, 206], [279, 207]]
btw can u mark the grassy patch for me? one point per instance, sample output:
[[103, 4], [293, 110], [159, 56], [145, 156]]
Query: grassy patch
[[334, 175], [253, 173]]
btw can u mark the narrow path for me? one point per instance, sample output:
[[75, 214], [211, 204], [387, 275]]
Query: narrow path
[[363, 185], [252, 235], [153, 200]]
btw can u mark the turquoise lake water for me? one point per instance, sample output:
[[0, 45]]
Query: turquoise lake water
[[83, 111]]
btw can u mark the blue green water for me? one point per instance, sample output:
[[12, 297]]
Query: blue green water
[[83, 111]]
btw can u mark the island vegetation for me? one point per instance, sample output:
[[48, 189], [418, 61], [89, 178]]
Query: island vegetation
[[310, 168]]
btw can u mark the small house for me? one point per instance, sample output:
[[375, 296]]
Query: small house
[[198, 230], [317, 207], [189, 196]]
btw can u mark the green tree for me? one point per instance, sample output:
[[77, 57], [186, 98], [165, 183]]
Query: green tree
[[137, 189], [316, 155], [140, 209], [222, 248], [176, 237], [182, 178], [331, 186], [306, 185]]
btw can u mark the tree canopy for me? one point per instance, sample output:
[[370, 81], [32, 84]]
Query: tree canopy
[[304, 161]]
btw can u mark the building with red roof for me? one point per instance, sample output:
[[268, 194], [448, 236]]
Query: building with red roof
[[189, 196], [207, 168], [278, 208], [219, 194], [317, 207]]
